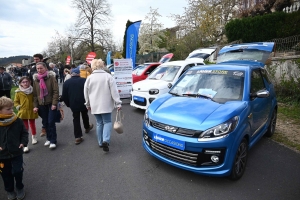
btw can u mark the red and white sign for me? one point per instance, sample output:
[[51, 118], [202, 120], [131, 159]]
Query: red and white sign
[[68, 60], [90, 57]]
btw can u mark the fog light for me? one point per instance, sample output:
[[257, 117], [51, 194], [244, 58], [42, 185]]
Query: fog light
[[146, 137], [214, 158]]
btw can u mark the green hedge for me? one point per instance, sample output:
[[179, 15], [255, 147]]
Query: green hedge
[[263, 28]]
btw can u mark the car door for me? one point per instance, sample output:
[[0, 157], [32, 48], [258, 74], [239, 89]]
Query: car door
[[259, 106]]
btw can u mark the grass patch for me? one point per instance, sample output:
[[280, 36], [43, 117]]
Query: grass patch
[[290, 111], [279, 137]]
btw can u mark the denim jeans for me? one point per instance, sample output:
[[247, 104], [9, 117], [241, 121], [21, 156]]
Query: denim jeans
[[48, 121], [104, 127], [12, 171]]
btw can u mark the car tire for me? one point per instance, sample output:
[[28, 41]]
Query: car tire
[[240, 161], [272, 125]]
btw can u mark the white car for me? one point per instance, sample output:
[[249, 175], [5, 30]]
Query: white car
[[144, 92]]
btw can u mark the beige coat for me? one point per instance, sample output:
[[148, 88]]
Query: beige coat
[[101, 93], [52, 87]]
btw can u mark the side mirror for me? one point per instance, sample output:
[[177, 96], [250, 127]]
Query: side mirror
[[170, 85], [260, 94]]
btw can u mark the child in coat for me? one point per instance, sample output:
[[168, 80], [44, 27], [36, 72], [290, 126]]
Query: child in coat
[[13, 137], [24, 104]]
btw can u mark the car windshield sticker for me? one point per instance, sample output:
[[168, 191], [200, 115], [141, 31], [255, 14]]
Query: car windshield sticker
[[224, 72], [207, 92]]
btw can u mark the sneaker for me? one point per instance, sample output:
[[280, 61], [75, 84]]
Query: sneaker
[[26, 149], [20, 194], [88, 130], [11, 195], [43, 133], [52, 146], [34, 140], [105, 146], [78, 140], [47, 143]]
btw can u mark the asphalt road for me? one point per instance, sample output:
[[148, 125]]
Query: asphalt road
[[84, 171]]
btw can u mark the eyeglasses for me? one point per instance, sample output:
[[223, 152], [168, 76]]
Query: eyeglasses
[[25, 82]]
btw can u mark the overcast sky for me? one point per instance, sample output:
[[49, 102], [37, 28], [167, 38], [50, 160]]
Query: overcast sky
[[26, 26]]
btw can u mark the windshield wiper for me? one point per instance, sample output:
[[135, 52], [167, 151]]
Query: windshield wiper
[[199, 95], [176, 94], [190, 95], [205, 96]]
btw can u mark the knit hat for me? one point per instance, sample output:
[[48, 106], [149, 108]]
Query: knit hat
[[75, 71]]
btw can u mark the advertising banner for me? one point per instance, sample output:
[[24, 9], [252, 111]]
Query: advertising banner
[[68, 60], [90, 57], [108, 59], [123, 76], [132, 34]]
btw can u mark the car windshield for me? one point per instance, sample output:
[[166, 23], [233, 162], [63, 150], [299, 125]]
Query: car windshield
[[166, 73], [199, 55], [244, 54], [139, 69], [218, 85]]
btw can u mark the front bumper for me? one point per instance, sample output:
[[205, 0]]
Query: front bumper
[[143, 101], [196, 156]]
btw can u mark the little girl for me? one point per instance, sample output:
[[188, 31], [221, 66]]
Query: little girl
[[24, 104]]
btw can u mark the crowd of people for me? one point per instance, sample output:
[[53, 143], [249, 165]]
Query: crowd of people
[[84, 88]]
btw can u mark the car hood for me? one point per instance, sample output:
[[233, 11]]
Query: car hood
[[193, 113], [201, 53], [147, 84]]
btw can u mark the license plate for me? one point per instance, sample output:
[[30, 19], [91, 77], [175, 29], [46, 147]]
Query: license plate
[[169, 141], [141, 99]]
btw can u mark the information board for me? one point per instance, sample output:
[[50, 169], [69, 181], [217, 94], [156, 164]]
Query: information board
[[123, 76]]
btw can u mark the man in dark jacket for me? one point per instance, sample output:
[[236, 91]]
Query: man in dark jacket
[[5, 83], [37, 58], [73, 97]]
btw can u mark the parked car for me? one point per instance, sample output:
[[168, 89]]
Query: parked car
[[214, 114], [142, 71], [144, 92]]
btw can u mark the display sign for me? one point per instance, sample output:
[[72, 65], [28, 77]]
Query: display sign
[[123, 76], [90, 57], [68, 60]]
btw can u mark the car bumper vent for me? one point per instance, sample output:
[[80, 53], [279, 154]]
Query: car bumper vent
[[174, 154], [179, 131]]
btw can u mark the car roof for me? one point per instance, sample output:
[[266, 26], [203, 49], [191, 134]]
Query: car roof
[[183, 62], [226, 67]]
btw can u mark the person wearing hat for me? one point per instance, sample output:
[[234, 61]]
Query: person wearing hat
[[5, 83], [73, 97]]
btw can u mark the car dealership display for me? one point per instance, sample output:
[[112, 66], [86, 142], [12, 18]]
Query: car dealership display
[[214, 114]]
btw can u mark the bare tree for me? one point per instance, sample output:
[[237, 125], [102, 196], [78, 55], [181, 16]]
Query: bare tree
[[93, 17], [150, 32]]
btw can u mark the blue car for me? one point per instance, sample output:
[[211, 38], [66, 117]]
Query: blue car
[[214, 114]]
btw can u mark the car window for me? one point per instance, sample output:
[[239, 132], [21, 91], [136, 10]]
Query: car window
[[150, 70], [165, 72], [221, 86], [265, 75], [187, 67], [256, 81]]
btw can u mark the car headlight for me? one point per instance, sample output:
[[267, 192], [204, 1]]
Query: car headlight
[[153, 91], [146, 119], [220, 130]]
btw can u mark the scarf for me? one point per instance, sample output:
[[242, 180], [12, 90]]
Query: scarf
[[43, 87], [27, 90], [6, 120]]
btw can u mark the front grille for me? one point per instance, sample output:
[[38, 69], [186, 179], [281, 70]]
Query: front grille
[[140, 103], [179, 131], [174, 154]]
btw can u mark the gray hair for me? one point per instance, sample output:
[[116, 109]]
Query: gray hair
[[42, 63]]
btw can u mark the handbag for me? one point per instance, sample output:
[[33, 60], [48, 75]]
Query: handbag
[[118, 125]]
